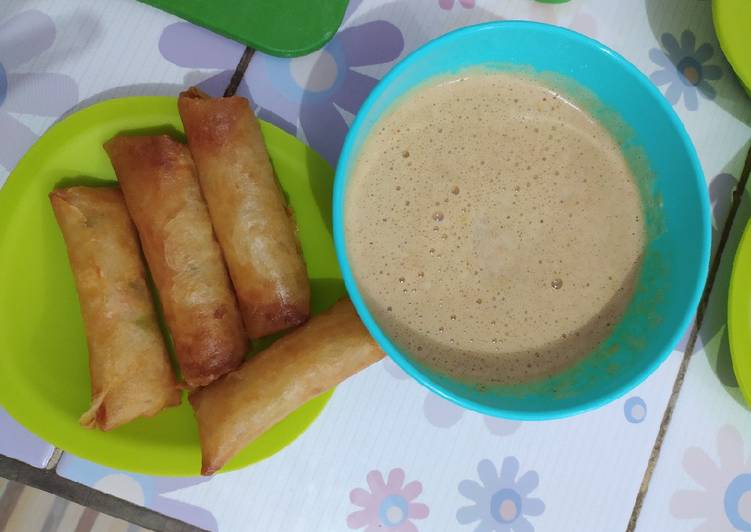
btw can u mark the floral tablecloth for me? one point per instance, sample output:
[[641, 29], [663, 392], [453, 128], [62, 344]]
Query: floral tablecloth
[[386, 453]]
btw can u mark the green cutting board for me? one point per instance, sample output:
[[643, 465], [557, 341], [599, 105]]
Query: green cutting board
[[284, 28]]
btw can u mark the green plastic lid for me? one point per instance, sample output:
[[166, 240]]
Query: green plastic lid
[[284, 28]]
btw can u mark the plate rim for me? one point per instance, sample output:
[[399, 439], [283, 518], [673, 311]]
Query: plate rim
[[720, 11], [739, 312]]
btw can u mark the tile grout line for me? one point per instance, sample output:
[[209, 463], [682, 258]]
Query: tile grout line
[[54, 459], [237, 77], [680, 377]]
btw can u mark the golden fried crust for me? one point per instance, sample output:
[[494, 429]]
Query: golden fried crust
[[243, 404], [130, 369], [255, 228], [162, 193]]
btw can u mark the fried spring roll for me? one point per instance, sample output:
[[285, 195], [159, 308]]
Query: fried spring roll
[[161, 191], [256, 230], [130, 369], [300, 366]]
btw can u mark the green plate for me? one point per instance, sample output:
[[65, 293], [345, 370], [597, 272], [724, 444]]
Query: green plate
[[732, 22], [739, 314], [44, 378], [284, 28]]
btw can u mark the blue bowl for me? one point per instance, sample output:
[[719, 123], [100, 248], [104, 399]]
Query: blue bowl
[[678, 224]]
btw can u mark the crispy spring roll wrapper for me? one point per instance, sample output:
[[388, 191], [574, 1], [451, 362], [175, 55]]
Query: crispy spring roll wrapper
[[130, 369], [254, 226], [162, 193], [240, 406]]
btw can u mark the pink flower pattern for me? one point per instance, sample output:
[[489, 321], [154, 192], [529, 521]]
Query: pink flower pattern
[[389, 504], [721, 502]]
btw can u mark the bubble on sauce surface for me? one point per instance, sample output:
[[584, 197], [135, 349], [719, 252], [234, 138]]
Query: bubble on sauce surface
[[450, 160]]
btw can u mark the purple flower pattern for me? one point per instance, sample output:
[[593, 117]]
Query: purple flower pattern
[[323, 90], [194, 47], [23, 37], [442, 413], [501, 501], [190, 46], [684, 68], [19, 443]]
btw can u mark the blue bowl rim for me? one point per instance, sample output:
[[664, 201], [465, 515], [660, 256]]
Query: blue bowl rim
[[394, 353]]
